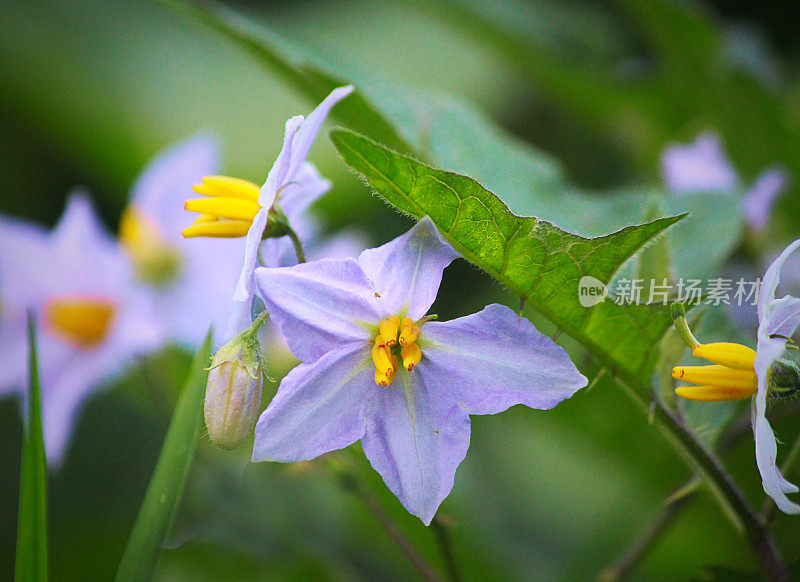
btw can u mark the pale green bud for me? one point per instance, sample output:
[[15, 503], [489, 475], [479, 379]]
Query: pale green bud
[[233, 392]]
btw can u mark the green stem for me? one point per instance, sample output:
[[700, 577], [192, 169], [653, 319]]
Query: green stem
[[298, 247], [351, 483], [625, 565], [441, 530], [732, 434], [678, 311], [732, 498]]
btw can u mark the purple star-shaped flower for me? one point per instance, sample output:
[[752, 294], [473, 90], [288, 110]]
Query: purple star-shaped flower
[[415, 430]]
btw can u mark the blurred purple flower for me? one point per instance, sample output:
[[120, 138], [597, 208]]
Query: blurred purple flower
[[92, 319], [778, 319], [758, 201], [703, 166], [190, 280], [341, 318]]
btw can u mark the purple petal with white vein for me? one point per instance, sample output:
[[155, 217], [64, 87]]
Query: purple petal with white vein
[[319, 407], [494, 359], [416, 438], [773, 316], [407, 271], [308, 131], [319, 306]]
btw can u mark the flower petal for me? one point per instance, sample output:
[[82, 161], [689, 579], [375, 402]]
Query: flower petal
[[494, 359], [701, 165], [279, 173], [775, 485], [302, 192], [416, 440], [784, 316], [79, 226], [65, 388], [308, 131], [766, 296], [319, 305], [245, 286], [773, 316], [88, 259], [757, 203], [407, 271], [162, 188], [319, 407], [26, 264]]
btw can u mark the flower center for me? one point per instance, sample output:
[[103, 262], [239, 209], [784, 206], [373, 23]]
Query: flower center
[[732, 377], [228, 209], [395, 337], [155, 260], [84, 321]]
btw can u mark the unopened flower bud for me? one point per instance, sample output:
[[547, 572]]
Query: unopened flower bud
[[233, 392]]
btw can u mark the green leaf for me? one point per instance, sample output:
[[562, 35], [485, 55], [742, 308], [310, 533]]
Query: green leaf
[[533, 258], [166, 486], [307, 78], [31, 559]]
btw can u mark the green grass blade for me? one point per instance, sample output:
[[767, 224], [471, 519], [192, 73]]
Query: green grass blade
[[31, 560], [166, 486]]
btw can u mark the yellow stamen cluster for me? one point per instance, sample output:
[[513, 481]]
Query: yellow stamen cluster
[[155, 260], [393, 332], [83, 321], [228, 210], [732, 377]]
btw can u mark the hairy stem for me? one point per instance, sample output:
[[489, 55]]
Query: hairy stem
[[671, 509], [351, 483], [441, 529], [732, 498], [298, 247]]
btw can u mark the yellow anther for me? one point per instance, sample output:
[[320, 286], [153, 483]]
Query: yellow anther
[[727, 354], [227, 187], [382, 358], [411, 354], [389, 328], [408, 332], [230, 208], [713, 393], [156, 261], [218, 229], [717, 376], [204, 218], [386, 379], [84, 321]]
